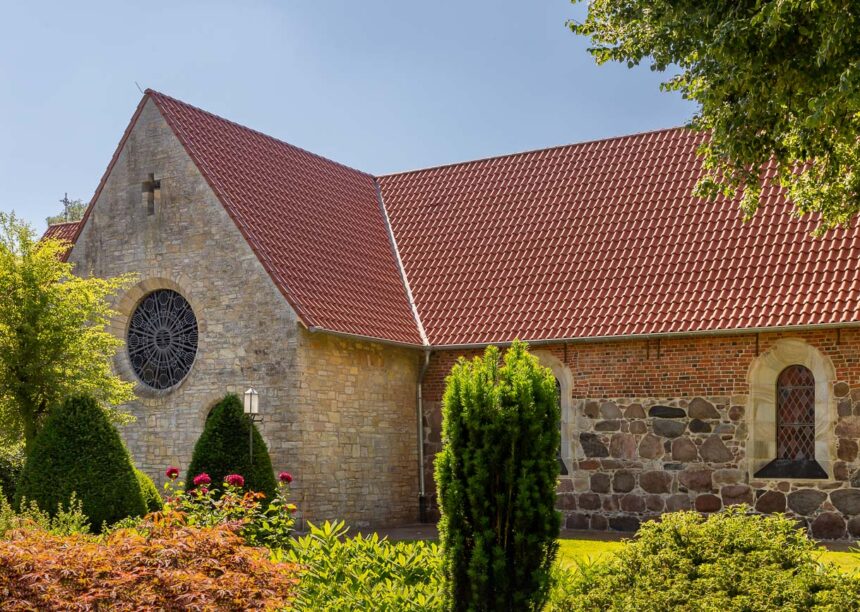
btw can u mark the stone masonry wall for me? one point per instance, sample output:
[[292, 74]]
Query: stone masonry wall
[[331, 415], [657, 427]]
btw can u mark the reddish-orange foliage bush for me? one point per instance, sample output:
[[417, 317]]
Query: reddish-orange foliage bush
[[169, 566]]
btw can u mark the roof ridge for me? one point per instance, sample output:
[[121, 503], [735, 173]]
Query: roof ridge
[[581, 143], [64, 223], [154, 93]]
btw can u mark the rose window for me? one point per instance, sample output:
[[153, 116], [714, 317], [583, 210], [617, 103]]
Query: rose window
[[162, 339]]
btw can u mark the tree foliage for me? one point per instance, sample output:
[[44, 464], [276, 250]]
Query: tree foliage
[[53, 332], [78, 452], [777, 82], [222, 449], [73, 212], [496, 477]]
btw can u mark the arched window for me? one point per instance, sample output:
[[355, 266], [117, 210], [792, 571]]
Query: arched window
[[795, 435], [795, 414], [564, 386]]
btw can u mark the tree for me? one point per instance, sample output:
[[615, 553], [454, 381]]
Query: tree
[[496, 477], [222, 449], [53, 337], [73, 211], [777, 83], [79, 451]]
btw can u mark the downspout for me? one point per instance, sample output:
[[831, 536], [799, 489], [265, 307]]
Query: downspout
[[422, 492]]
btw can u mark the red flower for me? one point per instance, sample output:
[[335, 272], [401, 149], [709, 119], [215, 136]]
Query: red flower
[[203, 490], [202, 479], [172, 473], [285, 477], [234, 480]]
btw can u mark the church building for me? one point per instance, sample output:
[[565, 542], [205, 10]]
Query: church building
[[702, 361]]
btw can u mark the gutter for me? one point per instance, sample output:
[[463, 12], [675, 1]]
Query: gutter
[[422, 492], [666, 335]]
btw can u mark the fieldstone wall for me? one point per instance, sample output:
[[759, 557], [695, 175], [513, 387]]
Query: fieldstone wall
[[686, 442], [338, 414], [637, 458]]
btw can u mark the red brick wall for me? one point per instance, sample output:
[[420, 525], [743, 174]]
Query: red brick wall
[[676, 367]]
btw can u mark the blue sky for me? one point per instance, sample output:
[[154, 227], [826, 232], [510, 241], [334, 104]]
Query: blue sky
[[381, 86]]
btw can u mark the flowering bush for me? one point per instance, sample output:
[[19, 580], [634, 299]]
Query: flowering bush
[[285, 477], [235, 480], [165, 565], [261, 522], [202, 479]]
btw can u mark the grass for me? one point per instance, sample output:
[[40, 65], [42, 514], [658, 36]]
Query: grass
[[572, 551]]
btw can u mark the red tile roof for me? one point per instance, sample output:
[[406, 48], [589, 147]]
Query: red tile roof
[[599, 239], [316, 225], [604, 239], [62, 231]]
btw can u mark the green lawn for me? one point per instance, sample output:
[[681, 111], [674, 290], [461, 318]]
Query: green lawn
[[571, 551]]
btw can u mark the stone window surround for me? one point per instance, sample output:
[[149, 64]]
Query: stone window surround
[[761, 406], [565, 379], [125, 308]]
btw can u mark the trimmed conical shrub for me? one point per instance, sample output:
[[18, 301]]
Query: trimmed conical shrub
[[149, 492], [79, 451], [223, 449]]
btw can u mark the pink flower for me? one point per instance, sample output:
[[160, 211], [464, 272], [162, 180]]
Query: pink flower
[[285, 477], [234, 480], [203, 490], [202, 479], [172, 473]]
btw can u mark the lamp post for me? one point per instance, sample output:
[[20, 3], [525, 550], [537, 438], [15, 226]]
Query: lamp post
[[252, 409]]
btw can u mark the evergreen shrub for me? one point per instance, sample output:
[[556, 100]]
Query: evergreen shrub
[[222, 449], [11, 464], [79, 451], [496, 478], [149, 492]]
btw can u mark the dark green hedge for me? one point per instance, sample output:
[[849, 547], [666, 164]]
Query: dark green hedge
[[79, 451], [11, 464], [223, 449], [149, 492]]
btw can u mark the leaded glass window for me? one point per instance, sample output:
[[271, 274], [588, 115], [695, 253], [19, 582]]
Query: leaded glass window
[[162, 339], [795, 414]]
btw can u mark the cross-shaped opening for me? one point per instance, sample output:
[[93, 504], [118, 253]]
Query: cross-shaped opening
[[151, 189]]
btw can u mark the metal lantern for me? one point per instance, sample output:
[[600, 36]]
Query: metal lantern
[[252, 409], [252, 401]]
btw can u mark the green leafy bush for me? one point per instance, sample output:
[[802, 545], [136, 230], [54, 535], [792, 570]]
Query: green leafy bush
[[365, 573], [79, 451], [149, 492], [11, 464], [67, 520], [730, 561], [223, 449], [496, 477]]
